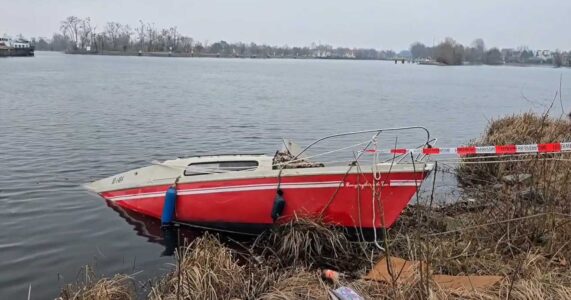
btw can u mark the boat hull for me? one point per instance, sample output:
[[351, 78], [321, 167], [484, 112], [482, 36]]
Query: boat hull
[[348, 200], [6, 52]]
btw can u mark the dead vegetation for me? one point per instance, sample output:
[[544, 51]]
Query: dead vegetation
[[205, 270], [517, 224], [548, 173], [311, 243], [283, 263], [89, 286]]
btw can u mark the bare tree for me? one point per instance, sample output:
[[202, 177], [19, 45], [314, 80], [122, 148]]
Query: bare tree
[[476, 53], [85, 32], [70, 28], [198, 47], [419, 50], [557, 58], [124, 38], [112, 31], [152, 35], [100, 41], [141, 34], [449, 52], [186, 44], [174, 38], [163, 40]]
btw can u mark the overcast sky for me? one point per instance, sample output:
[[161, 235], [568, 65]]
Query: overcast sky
[[378, 24]]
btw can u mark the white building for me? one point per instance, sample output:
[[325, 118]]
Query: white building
[[543, 55]]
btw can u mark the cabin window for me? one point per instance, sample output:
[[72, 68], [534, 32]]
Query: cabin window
[[219, 167]]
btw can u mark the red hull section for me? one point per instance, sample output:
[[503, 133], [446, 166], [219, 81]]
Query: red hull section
[[347, 201]]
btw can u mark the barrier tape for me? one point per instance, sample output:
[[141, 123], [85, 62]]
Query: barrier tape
[[469, 150]]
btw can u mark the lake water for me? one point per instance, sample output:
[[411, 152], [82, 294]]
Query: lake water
[[67, 120]]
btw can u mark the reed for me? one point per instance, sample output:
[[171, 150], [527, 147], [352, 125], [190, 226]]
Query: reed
[[89, 286], [312, 243], [283, 263], [205, 269], [298, 284], [548, 173]]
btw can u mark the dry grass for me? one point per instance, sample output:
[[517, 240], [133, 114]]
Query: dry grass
[[516, 226], [205, 270], [540, 200], [284, 263], [209, 269], [93, 287], [547, 173], [312, 244], [298, 284]]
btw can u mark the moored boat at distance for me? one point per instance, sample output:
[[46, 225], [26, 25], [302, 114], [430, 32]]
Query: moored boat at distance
[[239, 192], [429, 61], [20, 47]]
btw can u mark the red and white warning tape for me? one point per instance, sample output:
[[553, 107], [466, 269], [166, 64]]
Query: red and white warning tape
[[468, 150]]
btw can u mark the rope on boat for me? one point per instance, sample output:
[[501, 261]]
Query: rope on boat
[[337, 189], [356, 161], [215, 229], [376, 178]]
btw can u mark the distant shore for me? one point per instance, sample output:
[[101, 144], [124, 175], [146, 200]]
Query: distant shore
[[212, 55], [398, 60]]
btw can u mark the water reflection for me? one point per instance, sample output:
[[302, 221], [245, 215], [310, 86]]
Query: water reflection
[[170, 237]]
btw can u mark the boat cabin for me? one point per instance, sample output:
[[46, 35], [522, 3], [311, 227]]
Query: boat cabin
[[202, 165], [21, 44]]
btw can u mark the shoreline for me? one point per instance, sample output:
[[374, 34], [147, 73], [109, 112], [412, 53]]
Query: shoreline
[[510, 238], [205, 55], [209, 55]]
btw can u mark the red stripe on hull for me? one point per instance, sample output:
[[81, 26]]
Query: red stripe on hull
[[251, 200]]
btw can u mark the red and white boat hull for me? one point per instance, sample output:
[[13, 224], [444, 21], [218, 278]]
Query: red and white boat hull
[[345, 200]]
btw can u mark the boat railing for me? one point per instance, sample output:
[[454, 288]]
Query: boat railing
[[364, 145]]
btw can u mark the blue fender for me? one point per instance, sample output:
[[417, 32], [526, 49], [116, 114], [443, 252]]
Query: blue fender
[[169, 206]]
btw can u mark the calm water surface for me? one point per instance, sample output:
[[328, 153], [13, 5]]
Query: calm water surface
[[66, 120]]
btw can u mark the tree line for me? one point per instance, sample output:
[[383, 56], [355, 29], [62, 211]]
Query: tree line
[[450, 52], [80, 34]]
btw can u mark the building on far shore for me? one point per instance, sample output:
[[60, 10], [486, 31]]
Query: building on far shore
[[566, 59], [525, 56], [544, 55]]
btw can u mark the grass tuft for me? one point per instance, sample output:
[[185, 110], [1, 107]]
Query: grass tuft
[[92, 287]]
